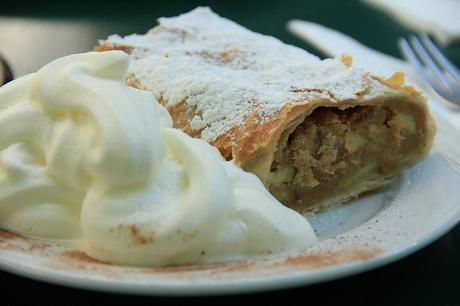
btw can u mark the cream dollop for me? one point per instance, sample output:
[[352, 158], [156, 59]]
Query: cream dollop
[[85, 157]]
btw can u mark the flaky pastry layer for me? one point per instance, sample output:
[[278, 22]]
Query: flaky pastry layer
[[316, 132]]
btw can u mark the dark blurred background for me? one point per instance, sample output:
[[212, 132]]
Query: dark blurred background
[[36, 32]]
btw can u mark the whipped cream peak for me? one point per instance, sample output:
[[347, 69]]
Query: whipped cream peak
[[87, 92], [87, 158]]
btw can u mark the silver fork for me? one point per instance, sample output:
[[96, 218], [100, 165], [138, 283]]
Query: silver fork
[[432, 66]]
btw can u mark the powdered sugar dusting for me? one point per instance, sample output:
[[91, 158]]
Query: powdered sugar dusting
[[225, 72]]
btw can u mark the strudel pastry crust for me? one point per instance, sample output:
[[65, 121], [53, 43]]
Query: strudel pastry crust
[[316, 132]]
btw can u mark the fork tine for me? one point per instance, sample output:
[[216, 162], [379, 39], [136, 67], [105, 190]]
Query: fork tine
[[440, 58], [428, 61], [410, 56], [407, 52]]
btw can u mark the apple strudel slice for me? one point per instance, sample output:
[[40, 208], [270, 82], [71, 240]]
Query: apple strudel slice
[[316, 132]]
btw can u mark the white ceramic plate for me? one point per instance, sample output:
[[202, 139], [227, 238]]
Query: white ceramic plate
[[367, 233]]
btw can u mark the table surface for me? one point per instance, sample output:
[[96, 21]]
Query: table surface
[[36, 33]]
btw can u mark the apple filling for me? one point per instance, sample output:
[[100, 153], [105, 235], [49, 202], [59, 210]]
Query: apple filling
[[335, 154]]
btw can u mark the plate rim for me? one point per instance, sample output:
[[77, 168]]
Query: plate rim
[[231, 286]]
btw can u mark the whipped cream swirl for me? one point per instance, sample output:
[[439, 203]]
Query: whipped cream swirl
[[84, 157]]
